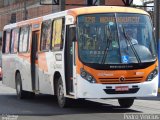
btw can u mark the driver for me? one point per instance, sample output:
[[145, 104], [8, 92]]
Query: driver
[[124, 40]]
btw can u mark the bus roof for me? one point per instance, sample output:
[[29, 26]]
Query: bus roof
[[105, 9]]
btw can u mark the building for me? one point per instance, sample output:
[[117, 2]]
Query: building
[[149, 6], [17, 10]]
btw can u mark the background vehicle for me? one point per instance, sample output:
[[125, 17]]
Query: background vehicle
[[77, 53]]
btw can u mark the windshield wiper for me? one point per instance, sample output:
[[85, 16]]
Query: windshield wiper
[[129, 41], [107, 46]]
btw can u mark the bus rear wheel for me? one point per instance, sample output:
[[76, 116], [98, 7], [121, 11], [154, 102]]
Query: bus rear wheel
[[20, 92], [126, 102], [62, 100]]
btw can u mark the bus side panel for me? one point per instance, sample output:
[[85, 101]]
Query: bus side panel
[[12, 69], [7, 66], [58, 66], [48, 69], [45, 72], [23, 65]]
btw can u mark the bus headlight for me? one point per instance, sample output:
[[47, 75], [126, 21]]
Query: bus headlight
[[153, 74], [87, 76]]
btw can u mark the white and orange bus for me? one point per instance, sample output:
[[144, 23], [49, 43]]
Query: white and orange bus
[[89, 52]]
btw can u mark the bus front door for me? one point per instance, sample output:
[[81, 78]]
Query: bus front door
[[69, 59], [34, 60]]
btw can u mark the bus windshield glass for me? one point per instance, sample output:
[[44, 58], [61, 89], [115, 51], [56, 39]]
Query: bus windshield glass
[[116, 38]]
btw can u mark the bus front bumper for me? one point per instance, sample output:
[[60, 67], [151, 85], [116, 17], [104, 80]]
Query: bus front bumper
[[93, 90]]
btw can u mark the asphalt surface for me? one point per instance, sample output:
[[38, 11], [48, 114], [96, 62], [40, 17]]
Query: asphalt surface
[[45, 107]]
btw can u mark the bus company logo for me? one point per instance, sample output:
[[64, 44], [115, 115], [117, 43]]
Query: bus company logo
[[122, 79]]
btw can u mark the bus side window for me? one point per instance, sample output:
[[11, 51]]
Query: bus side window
[[46, 35], [24, 39], [6, 41], [58, 34], [14, 40]]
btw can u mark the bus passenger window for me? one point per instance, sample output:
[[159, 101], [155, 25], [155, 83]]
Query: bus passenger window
[[23, 40], [46, 35], [6, 41], [58, 34], [14, 40]]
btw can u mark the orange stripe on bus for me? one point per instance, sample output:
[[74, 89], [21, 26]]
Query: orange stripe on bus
[[42, 62], [25, 56]]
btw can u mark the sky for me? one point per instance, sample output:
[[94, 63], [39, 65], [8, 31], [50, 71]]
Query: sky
[[137, 2]]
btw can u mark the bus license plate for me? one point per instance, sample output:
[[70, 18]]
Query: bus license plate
[[122, 88]]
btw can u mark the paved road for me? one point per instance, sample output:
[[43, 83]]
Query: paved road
[[45, 107]]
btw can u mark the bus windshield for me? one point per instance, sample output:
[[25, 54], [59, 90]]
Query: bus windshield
[[116, 38]]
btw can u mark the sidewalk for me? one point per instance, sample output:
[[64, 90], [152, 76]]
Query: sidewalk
[[6, 90]]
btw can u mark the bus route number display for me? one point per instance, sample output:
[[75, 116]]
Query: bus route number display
[[104, 19], [90, 19], [120, 19]]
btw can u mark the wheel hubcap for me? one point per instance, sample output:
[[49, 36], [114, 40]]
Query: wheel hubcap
[[18, 86], [61, 93]]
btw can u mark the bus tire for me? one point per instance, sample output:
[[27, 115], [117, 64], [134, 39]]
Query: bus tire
[[63, 102], [20, 92], [126, 102]]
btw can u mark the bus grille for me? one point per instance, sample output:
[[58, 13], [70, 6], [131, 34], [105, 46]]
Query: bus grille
[[117, 81]]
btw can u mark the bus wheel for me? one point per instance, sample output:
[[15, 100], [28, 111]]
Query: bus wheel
[[62, 100], [20, 92], [126, 102]]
